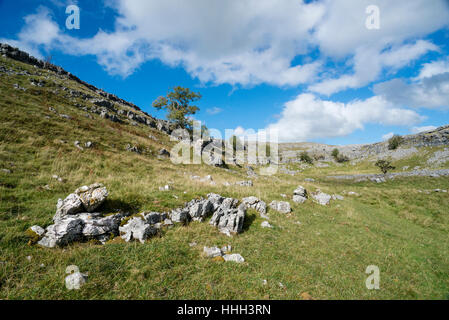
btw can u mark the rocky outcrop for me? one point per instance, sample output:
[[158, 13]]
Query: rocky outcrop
[[104, 103], [228, 217], [256, 204], [300, 195]]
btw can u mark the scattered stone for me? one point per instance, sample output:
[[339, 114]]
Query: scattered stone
[[235, 257], [193, 244], [309, 180], [29, 258], [75, 280], [283, 195], [78, 145], [38, 230], [337, 197], [321, 198], [281, 206], [7, 171], [265, 224], [300, 195], [165, 188], [89, 144], [248, 183], [212, 252], [264, 282], [134, 149]]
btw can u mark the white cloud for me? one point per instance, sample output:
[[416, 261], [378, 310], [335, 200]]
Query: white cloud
[[387, 136], [308, 117], [250, 42], [433, 68], [430, 92], [369, 63], [214, 110], [423, 129]]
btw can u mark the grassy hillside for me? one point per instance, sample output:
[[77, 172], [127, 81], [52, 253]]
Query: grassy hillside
[[322, 251]]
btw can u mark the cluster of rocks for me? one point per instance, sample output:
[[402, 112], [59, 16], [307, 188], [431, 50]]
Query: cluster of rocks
[[75, 219], [222, 254]]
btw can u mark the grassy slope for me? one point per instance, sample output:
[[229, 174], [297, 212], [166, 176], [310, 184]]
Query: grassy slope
[[390, 225]]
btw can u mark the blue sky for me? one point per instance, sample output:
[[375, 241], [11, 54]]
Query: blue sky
[[311, 70]]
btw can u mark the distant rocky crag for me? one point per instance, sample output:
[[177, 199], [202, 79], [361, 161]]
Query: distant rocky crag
[[105, 102]]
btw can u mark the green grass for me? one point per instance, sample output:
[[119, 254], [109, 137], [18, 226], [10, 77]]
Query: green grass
[[391, 225]]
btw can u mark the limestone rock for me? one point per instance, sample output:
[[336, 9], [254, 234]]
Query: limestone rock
[[235, 257], [321, 198], [199, 209], [92, 196], [63, 232], [228, 218], [256, 204], [281, 206], [69, 206], [212, 252], [137, 229]]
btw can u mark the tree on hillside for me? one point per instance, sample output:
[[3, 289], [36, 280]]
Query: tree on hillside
[[384, 166], [394, 142], [178, 105]]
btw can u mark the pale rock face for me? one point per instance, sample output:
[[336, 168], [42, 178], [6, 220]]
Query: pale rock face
[[98, 227], [299, 199], [256, 204], [212, 252], [235, 257], [281, 206], [179, 215], [137, 229], [300, 191], [154, 217], [92, 196], [321, 198], [227, 217], [63, 232], [38, 230], [69, 206], [199, 209]]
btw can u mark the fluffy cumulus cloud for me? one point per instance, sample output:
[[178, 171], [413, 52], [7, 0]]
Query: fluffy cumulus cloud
[[214, 111], [430, 92], [308, 117], [253, 41], [323, 45]]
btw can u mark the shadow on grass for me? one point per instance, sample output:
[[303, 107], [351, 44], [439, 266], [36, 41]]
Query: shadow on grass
[[112, 205], [249, 219]]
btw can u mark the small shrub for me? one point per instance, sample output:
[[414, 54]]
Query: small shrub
[[394, 142], [384, 166], [335, 153], [304, 157], [342, 158]]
